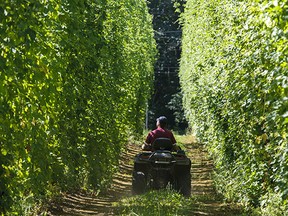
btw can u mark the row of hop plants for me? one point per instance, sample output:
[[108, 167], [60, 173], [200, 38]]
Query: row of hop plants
[[75, 78], [234, 77]]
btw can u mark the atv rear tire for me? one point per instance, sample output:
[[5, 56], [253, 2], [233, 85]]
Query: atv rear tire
[[184, 184], [138, 183]]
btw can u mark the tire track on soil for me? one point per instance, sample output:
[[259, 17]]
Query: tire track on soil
[[207, 200], [77, 204]]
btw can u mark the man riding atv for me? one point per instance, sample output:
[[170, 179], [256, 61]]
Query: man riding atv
[[162, 165], [159, 132]]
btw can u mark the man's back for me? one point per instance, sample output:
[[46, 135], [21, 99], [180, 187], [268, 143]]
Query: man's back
[[160, 133]]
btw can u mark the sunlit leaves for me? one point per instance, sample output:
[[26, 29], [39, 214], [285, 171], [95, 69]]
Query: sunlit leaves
[[75, 78], [234, 79]]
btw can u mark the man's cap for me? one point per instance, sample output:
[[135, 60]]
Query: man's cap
[[162, 120]]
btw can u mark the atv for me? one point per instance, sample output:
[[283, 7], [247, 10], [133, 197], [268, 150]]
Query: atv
[[162, 168]]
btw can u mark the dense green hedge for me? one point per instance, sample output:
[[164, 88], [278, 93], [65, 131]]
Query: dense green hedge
[[234, 76], [75, 78]]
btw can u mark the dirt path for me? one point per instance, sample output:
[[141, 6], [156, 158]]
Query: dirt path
[[207, 202], [99, 205]]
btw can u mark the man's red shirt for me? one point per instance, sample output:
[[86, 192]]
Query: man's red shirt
[[160, 133]]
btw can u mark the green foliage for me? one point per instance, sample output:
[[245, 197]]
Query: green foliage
[[234, 77], [155, 203], [75, 77]]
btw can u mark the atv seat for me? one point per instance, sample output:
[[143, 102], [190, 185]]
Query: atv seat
[[162, 144]]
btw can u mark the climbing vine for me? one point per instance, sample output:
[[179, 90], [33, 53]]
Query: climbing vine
[[234, 77], [75, 78]]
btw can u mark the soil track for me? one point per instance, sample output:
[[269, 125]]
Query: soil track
[[77, 204], [207, 202]]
